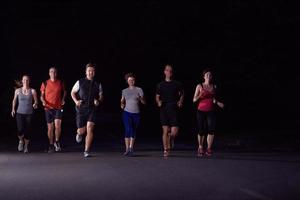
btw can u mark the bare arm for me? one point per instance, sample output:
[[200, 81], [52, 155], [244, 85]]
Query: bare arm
[[14, 102], [197, 93], [180, 102], [76, 101], [122, 102], [158, 101], [142, 100], [43, 98], [35, 98], [64, 97]]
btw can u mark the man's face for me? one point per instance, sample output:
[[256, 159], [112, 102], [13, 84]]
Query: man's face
[[52, 73], [90, 72], [168, 71]]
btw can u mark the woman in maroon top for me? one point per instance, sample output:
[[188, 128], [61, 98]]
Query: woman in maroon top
[[205, 94]]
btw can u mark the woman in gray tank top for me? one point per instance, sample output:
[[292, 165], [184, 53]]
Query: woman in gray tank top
[[25, 99]]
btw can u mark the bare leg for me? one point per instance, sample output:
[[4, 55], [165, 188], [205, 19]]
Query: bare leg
[[174, 133], [200, 145], [50, 132], [201, 141], [81, 131], [57, 129], [89, 135], [210, 139], [131, 143], [165, 138], [169, 137], [127, 144]]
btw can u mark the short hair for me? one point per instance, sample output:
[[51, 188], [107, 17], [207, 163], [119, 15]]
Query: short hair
[[129, 75], [168, 65], [93, 65]]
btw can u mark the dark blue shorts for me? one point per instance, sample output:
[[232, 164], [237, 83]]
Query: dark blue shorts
[[53, 114]]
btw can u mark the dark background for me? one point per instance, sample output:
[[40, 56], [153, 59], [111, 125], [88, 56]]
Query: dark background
[[252, 46]]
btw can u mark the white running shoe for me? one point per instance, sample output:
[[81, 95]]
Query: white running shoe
[[57, 146], [86, 154], [21, 145], [26, 148], [78, 138]]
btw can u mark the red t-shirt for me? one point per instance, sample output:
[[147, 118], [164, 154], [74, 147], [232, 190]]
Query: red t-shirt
[[53, 93]]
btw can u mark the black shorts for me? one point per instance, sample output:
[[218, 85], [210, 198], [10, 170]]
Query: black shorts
[[84, 115], [53, 114], [206, 122], [169, 115]]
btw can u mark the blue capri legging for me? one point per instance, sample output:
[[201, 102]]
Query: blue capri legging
[[131, 122]]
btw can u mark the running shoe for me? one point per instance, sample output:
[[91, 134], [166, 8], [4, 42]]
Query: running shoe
[[21, 145], [78, 138], [86, 154], [57, 146]]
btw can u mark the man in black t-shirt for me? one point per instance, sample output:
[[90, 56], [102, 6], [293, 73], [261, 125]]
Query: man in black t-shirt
[[169, 98]]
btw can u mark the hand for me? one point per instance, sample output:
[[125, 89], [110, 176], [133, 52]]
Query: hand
[[220, 104], [179, 104], [63, 102], [96, 102], [13, 112], [35, 105], [78, 103], [44, 103], [122, 106], [159, 103]]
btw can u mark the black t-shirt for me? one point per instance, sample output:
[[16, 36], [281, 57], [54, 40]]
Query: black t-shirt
[[169, 91]]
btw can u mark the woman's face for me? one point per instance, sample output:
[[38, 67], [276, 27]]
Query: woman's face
[[208, 76], [131, 81], [25, 80]]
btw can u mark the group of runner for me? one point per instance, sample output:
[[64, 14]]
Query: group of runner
[[87, 95]]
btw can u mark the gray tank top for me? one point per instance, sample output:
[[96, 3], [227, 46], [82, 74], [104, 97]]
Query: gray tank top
[[24, 102]]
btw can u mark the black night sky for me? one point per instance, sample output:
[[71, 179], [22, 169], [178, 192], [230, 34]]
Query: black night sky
[[252, 47]]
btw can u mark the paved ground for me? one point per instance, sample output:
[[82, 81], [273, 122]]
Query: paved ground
[[109, 175]]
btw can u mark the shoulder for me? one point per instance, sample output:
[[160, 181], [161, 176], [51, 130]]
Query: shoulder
[[176, 82], [17, 91], [199, 85], [33, 91], [161, 83]]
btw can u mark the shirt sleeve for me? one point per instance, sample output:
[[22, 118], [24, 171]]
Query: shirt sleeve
[[42, 88], [123, 93], [76, 87], [141, 93]]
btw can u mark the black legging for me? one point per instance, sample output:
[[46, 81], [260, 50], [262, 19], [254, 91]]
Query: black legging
[[206, 122], [24, 124]]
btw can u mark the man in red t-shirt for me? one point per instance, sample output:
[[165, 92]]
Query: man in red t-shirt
[[53, 95]]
